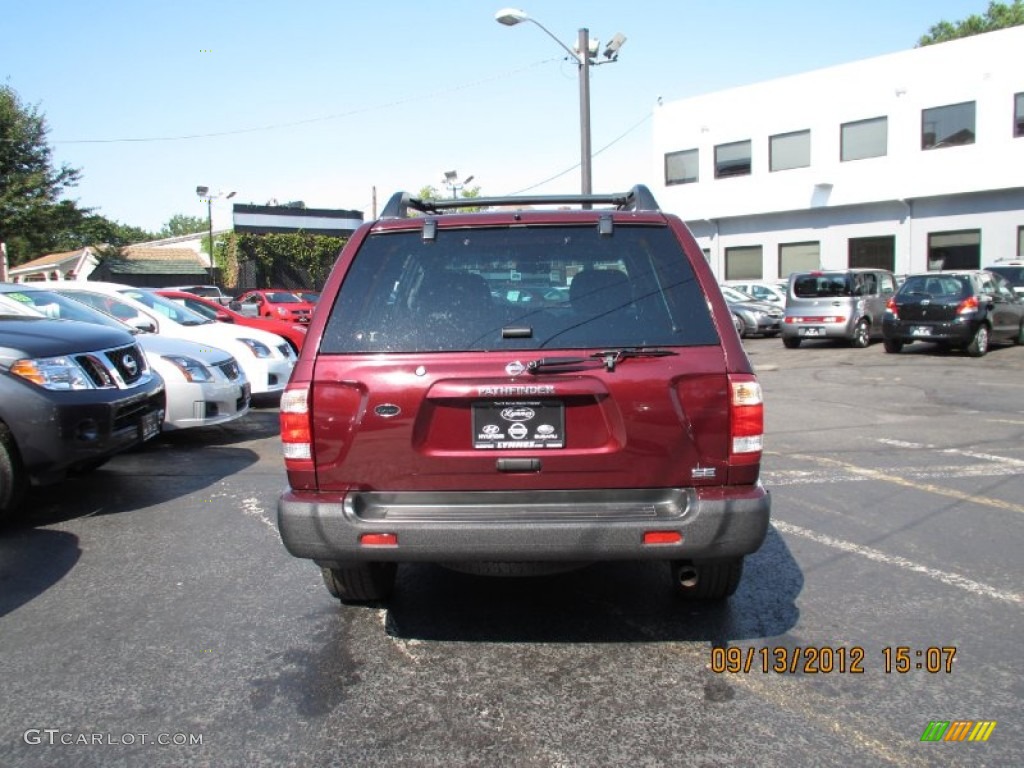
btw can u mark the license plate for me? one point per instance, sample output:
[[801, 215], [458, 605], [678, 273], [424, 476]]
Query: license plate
[[921, 330], [150, 425], [517, 424], [811, 331]]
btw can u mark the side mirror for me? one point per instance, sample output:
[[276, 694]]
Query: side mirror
[[143, 324]]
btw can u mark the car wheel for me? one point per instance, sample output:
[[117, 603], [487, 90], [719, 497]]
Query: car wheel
[[707, 579], [861, 335], [737, 323], [12, 479], [361, 582], [978, 344], [791, 342], [892, 345]]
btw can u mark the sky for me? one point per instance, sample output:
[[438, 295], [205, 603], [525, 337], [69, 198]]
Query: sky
[[341, 103]]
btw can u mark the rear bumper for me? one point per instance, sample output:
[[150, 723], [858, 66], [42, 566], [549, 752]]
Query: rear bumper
[[955, 331], [532, 526]]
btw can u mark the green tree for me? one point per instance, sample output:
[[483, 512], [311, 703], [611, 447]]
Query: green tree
[[31, 212], [998, 16], [180, 224]]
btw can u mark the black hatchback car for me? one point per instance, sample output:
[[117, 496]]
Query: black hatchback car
[[967, 309]]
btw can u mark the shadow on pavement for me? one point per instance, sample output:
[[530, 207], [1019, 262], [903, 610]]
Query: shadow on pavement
[[603, 603], [32, 561]]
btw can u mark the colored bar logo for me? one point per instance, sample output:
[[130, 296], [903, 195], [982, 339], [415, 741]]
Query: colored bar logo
[[958, 730]]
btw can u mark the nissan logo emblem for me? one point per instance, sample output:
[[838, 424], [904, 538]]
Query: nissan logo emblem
[[130, 364]]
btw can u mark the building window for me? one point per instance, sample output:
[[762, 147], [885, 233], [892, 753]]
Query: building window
[[948, 126], [732, 159], [799, 257], [744, 263], [954, 250], [681, 167], [1020, 242], [872, 253], [864, 138], [1018, 115], [789, 150]]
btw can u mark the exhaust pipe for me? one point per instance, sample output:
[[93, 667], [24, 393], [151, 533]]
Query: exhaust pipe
[[687, 576]]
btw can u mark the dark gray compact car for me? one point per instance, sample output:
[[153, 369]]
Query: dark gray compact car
[[967, 309], [71, 396]]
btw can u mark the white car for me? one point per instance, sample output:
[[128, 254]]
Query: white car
[[762, 290], [266, 358], [203, 385]]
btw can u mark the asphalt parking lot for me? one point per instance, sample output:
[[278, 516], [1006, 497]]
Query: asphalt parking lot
[[149, 614]]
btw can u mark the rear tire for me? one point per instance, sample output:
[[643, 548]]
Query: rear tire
[[861, 335], [361, 582], [13, 482], [978, 345], [707, 579], [791, 342], [893, 346]]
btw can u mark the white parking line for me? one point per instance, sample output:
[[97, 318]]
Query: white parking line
[[955, 452], [950, 579]]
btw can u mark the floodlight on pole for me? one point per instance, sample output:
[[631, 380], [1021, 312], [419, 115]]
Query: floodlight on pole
[[451, 180], [583, 55]]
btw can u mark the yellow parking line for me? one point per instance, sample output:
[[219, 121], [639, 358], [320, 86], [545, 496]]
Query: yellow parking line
[[875, 474]]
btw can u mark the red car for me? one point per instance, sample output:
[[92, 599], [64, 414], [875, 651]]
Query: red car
[[277, 303], [293, 333], [435, 417]]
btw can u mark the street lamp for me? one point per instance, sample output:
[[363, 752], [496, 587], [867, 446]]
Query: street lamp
[[586, 50], [451, 180], [204, 194]]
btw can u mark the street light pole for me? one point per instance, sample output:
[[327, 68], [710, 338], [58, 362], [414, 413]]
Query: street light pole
[[586, 159], [584, 60], [204, 192]]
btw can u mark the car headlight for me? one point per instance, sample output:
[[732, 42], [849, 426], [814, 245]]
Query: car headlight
[[282, 311], [257, 348], [56, 373], [191, 369]]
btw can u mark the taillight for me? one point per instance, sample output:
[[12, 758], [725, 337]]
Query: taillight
[[296, 430], [746, 420], [970, 304], [890, 307]]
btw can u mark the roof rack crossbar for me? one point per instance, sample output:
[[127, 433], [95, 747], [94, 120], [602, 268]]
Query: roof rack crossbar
[[639, 198]]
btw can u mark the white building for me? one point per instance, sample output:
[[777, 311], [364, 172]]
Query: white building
[[910, 161]]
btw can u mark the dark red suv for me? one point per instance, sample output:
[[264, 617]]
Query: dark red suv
[[519, 390]]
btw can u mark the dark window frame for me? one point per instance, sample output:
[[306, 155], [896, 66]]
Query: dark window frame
[[789, 134], [1018, 115], [842, 138], [933, 141], [738, 169], [696, 167]]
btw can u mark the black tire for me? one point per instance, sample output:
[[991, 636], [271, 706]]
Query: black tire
[[13, 482], [892, 346], [861, 334], [361, 582], [978, 345], [737, 323], [791, 342], [707, 579]]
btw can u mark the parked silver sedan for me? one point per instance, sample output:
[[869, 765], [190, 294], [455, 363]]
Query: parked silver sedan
[[204, 385]]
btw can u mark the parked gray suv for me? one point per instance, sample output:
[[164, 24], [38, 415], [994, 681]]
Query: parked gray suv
[[846, 304]]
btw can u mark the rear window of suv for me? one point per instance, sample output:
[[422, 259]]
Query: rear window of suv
[[499, 288]]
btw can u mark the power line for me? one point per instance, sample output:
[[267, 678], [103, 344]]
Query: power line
[[572, 168], [307, 121]]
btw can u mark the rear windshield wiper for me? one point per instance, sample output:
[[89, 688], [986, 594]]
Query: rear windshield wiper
[[609, 358]]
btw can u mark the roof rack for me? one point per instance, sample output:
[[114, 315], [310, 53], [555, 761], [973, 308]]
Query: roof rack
[[639, 198]]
